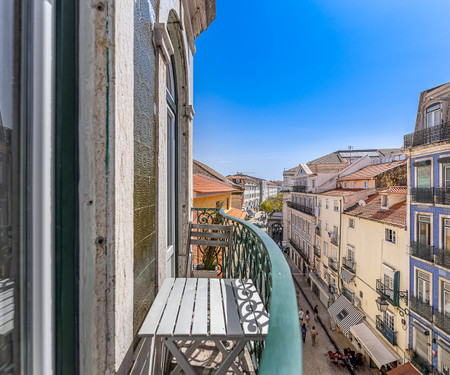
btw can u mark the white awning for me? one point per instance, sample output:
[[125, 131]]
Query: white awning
[[346, 275], [372, 344], [344, 314]]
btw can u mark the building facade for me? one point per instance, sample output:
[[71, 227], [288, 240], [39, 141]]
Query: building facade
[[251, 198], [429, 222]]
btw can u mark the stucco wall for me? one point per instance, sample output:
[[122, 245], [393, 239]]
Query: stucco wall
[[212, 200]]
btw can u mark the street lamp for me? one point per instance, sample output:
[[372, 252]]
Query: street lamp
[[382, 304]]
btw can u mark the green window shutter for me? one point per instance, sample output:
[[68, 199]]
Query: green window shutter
[[396, 287]]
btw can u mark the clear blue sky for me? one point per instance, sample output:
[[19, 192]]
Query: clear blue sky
[[280, 83]]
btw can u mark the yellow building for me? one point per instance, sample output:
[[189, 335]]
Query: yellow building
[[211, 193], [374, 273]]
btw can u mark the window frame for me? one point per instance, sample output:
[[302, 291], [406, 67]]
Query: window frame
[[390, 235]]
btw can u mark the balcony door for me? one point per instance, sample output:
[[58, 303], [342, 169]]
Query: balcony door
[[423, 287], [424, 230], [433, 115], [421, 347]]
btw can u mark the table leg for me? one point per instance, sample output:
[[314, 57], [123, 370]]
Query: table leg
[[180, 357], [225, 353], [230, 358], [188, 353]]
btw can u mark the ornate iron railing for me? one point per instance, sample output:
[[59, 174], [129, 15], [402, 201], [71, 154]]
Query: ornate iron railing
[[421, 363], [332, 264], [301, 208], [349, 264], [442, 195], [334, 239], [299, 189], [421, 308], [390, 335], [432, 134], [422, 195], [442, 320], [442, 257], [422, 251], [317, 251], [254, 255], [386, 292]]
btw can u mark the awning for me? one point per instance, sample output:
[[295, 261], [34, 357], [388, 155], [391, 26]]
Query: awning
[[372, 344], [346, 275], [444, 159], [316, 281], [344, 314], [406, 369]]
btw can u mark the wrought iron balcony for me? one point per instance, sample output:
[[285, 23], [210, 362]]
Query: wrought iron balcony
[[422, 195], [421, 308], [254, 255], [386, 292], [318, 231], [332, 264], [421, 363], [349, 264], [442, 257], [347, 294], [299, 189], [302, 252], [334, 239], [390, 335], [301, 208], [317, 251], [429, 135], [422, 251], [442, 320], [442, 195]]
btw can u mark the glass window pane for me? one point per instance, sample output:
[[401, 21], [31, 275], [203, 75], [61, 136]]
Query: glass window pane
[[424, 176]]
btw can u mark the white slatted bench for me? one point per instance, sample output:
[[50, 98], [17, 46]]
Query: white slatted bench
[[197, 310]]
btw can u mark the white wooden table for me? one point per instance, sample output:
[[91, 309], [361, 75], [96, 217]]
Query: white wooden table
[[198, 310]]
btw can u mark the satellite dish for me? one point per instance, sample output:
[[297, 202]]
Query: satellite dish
[[362, 203]]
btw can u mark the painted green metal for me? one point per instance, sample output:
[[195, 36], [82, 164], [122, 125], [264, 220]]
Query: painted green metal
[[256, 256]]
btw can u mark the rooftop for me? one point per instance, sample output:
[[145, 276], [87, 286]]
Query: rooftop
[[236, 213], [371, 171], [395, 190], [340, 192], [204, 184], [371, 210], [341, 156], [203, 169]]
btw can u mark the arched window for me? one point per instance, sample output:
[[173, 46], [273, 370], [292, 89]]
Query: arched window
[[171, 101]]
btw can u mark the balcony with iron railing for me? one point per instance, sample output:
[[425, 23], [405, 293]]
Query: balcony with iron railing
[[301, 208], [422, 308], [442, 257], [349, 264], [254, 255], [318, 231], [347, 294], [299, 189], [332, 264], [422, 251], [422, 195], [442, 195], [442, 320], [429, 135], [317, 251], [388, 333], [333, 238], [386, 292]]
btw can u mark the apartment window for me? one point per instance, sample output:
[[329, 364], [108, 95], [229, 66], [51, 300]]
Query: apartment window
[[318, 268], [350, 255], [308, 226], [446, 174], [320, 202], [352, 185], [326, 204], [388, 281], [433, 115], [388, 319], [334, 255], [421, 347], [336, 206], [325, 249], [423, 286], [444, 361], [345, 185], [335, 231], [313, 183], [446, 234], [424, 176], [390, 235], [424, 229], [365, 184], [445, 298], [351, 223]]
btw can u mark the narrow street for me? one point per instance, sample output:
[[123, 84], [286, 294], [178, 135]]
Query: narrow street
[[315, 358]]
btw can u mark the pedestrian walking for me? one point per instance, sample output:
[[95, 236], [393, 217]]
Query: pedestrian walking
[[298, 298], [307, 317], [316, 312], [314, 334], [304, 330], [301, 316]]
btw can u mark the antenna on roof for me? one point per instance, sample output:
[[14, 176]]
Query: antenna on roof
[[350, 148]]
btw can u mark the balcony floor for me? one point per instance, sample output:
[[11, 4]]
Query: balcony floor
[[207, 359]]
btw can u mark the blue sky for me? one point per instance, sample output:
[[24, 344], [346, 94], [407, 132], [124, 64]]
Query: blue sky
[[280, 83]]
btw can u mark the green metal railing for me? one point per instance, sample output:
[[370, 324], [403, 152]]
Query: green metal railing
[[255, 256]]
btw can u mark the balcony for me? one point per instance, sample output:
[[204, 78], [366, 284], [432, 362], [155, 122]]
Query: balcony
[[299, 189], [386, 292], [442, 320], [332, 264], [317, 251], [301, 208], [254, 255], [423, 309], [349, 264], [388, 333], [429, 135], [442, 195], [442, 257], [347, 294], [318, 231], [333, 238], [422, 364], [422, 195], [422, 251], [300, 251]]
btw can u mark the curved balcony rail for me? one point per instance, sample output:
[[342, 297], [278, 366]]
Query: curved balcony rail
[[442, 257], [349, 264], [442, 195], [442, 320], [422, 195], [422, 308], [382, 327], [301, 208], [254, 255], [332, 264], [386, 292], [429, 135], [422, 251], [299, 189]]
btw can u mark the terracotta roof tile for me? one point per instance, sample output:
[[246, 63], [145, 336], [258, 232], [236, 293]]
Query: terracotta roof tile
[[395, 190], [371, 171], [372, 210], [237, 213], [204, 184], [406, 369]]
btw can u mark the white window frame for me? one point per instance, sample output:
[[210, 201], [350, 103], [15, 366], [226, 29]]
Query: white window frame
[[389, 320], [434, 113], [351, 223], [419, 281], [390, 235]]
